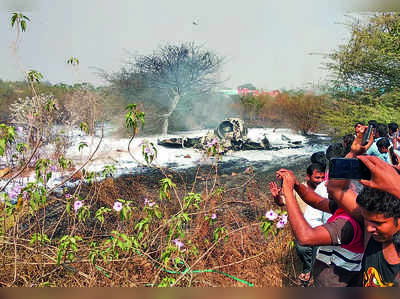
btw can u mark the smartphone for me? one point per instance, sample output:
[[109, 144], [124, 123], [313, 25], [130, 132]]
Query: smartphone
[[280, 183], [348, 169], [367, 135]]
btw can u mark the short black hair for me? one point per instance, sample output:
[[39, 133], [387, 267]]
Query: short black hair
[[319, 157], [380, 202], [315, 166], [358, 123], [383, 142], [347, 142], [382, 129], [335, 150], [393, 126]]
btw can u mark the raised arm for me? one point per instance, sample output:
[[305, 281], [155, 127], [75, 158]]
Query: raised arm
[[307, 194], [303, 232], [356, 147]]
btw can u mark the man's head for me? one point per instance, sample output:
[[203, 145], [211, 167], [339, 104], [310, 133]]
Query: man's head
[[315, 175], [335, 150], [381, 212], [383, 145], [393, 128], [319, 157], [381, 130], [357, 127], [347, 142]]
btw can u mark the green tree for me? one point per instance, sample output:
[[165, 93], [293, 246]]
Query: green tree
[[370, 60]]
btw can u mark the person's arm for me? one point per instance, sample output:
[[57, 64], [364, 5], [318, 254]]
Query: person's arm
[[303, 232], [311, 198], [356, 147]]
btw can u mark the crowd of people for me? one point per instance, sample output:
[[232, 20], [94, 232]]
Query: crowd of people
[[347, 231]]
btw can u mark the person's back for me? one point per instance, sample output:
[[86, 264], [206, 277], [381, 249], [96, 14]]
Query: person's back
[[339, 265]]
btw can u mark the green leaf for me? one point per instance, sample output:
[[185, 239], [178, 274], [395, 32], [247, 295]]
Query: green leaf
[[82, 145], [23, 26], [14, 19]]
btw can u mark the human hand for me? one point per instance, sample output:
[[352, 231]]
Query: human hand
[[276, 193], [273, 187], [357, 148], [383, 175], [289, 179]]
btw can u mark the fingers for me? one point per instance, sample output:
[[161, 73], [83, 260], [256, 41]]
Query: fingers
[[367, 183], [371, 161], [366, 161]]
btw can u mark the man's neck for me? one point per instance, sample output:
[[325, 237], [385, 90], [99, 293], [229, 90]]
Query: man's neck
[[310, 185], [390, 253]]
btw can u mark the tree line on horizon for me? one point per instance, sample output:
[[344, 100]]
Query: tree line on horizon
[[176, 87]]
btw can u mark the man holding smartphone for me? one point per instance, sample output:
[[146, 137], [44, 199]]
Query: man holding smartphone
[[377, 208], [340, 264], [315, 174]]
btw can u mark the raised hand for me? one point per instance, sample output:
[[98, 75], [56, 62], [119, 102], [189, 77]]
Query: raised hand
[[273, 187], [356, 147], [383, 175], [289, 179]]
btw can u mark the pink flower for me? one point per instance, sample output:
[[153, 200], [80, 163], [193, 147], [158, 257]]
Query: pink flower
[[77, 205], [178, 243], [280, 224], [271, 215], [20, 129], [117, 206], [284, 218], [148, 203], [68, 195], [213, 142], [213, 216]]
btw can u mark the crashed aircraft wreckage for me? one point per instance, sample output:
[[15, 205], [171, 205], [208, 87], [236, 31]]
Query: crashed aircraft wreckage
[[232, 135]]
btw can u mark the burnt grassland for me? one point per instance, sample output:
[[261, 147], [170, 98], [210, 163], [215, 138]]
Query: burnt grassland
[[240, 255]]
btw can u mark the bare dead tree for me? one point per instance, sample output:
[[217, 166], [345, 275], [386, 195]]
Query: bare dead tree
[[172, 70]]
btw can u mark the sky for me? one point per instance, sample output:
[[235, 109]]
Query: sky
[[271, 44]]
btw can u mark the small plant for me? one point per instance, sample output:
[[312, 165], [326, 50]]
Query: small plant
[[133, 116], [165, 189], [273, 222], [39, 238], [19, 20], [7, 137], [68, 248], [149, 152]]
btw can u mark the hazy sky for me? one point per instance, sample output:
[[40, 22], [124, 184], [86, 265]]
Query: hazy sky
[[265, 42]]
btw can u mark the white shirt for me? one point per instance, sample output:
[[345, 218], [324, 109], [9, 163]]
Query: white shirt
[[317, 217]]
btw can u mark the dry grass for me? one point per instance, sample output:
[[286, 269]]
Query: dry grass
[[246, 254]]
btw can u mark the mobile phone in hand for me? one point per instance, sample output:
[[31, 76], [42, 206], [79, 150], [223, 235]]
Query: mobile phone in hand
[[367, 135], [279, 183], [348, 169]]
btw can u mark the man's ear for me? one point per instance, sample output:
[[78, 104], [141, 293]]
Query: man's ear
[[308, 177]]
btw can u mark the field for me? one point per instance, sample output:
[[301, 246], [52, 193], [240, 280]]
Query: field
[[205, 231]]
